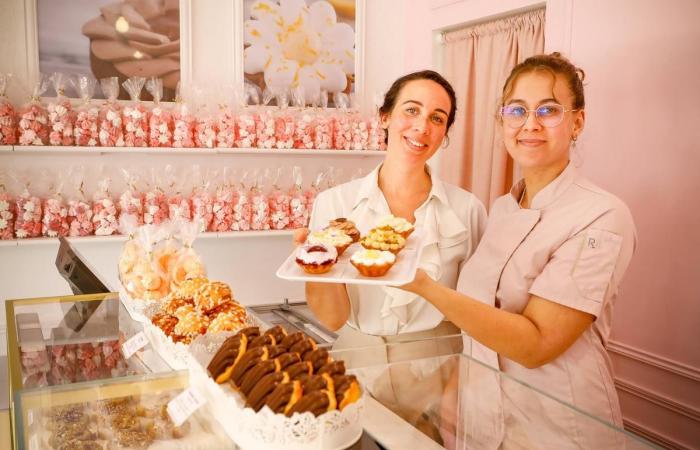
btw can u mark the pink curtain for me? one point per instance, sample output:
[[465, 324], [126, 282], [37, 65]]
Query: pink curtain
[[477, 61]]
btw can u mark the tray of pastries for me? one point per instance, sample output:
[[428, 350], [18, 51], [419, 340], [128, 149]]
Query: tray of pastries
[[387, 254]]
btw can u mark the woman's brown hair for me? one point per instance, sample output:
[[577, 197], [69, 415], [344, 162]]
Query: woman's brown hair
[[555, 64]]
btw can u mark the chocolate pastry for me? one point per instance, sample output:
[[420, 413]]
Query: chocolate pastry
[[313, 383], [268, 383], [247, 361], [263, 339], [275, 350], [333, 368], [316, 402], [347, 390], [250, 332], [292, 339], [230, 352], [287, 359], [255, 374], [318, 358], [346, 226], [302, 347], [298, 369], [284, 396], [278, 332]]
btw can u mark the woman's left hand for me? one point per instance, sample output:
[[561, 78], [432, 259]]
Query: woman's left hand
[[419, 281]]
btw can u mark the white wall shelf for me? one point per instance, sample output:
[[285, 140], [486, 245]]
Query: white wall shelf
[[122, 238], [45, 149]]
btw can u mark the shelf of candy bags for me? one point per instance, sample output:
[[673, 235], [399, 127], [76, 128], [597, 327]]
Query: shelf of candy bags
[[204, 118], [277, 390], [42, 203]]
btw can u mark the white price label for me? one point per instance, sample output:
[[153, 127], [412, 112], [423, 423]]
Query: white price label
[[182, 406], [134, 344]]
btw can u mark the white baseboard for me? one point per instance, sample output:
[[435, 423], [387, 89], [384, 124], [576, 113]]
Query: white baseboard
[[660, 362]]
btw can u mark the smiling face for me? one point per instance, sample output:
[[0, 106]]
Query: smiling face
[[417, 124], [532, 145]]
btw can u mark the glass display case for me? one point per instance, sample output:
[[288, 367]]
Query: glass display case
[[450, 400], [63, 348]]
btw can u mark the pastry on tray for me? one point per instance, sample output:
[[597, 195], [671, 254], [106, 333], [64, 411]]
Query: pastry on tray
[[346, 226], [316, 259], [383, 239], [373, 263], [398, 224], [330, 236]]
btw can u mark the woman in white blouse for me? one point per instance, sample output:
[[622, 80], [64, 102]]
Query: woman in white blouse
[[418, 110]]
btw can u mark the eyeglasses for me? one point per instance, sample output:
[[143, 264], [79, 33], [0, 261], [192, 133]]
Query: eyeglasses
[[548, 115]]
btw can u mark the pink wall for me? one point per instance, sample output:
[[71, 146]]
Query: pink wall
[[641, 142]]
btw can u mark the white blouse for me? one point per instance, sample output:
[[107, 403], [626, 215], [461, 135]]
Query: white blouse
[[453, 221]]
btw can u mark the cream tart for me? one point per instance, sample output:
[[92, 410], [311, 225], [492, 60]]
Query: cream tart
[[373, 263], [383, 239], [330, 236], [398, 224], [316, 259]]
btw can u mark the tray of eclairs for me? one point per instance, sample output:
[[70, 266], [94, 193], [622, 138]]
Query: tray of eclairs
[[280, 390], [387, 254]]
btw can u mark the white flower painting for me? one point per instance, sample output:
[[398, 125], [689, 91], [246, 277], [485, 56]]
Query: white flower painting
[[300, 43]]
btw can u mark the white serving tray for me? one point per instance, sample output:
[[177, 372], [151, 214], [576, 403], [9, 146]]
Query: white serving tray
[[402, 272]]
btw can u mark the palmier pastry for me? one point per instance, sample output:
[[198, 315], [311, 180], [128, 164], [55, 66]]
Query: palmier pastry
[[284, 396], [316, 402], [257, 396], [189, 287], [173, 303], [292, 339], [347, 390], [211, 296], [225, 322], [303, 347], [278, 332], [190, 324], [250, 358], [318, 358], [346, 226], [230, 352], [333, 368]]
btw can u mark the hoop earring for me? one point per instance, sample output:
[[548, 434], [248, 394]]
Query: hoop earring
[[445, 142]]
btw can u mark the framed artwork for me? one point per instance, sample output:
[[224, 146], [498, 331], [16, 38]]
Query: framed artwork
[[108, 38], [315, 45]]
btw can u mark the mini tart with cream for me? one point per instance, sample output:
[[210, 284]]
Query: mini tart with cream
[[346, 226], [373, 263], [330, 236], [398, 224], [383, 239], [316, 258]]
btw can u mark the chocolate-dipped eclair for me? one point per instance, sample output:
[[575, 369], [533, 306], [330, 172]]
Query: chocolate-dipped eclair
[[278, 332], [275, 350], [255, 374], [318, 358], [229, 354], [292, 339], [347, 390], [287, 359], [284, 396], [268, 383], [316, 402], [248, 360], [263, 339], [313, 383], [333, 368], [303, 347], [298, 369], [250, 332]]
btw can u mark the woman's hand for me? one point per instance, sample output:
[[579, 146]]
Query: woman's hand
[[300, 235], [420, 281]]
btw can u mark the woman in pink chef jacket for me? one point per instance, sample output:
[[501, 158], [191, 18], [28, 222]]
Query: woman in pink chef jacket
[[536, 297]]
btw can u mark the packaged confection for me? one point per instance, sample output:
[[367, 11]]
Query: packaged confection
[[265, 123], [323, 125], [260, 206], [8, 115], [205, 129], [104, 210], [54, 220], [304, 120], [222, 206], [34, 359], [247, 118], [279, 201], [135, 115], [314, 188], [179, 205], [242, 209], [86, 128], [28, 210], [33, 120], [79, 207], [183, 121], [377, 133], [186, 264], [284, 121], [160, 121], [144, 260], [110, 120], [155, 201], [7, 209], [360, 132], [202, 202], [343, 123], [132, 199], [225, 120], [61, 114]]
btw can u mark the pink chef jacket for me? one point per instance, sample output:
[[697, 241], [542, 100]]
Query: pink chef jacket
[[572, 246]]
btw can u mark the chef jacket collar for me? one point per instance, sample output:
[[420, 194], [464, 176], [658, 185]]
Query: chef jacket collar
[[550, 192]]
